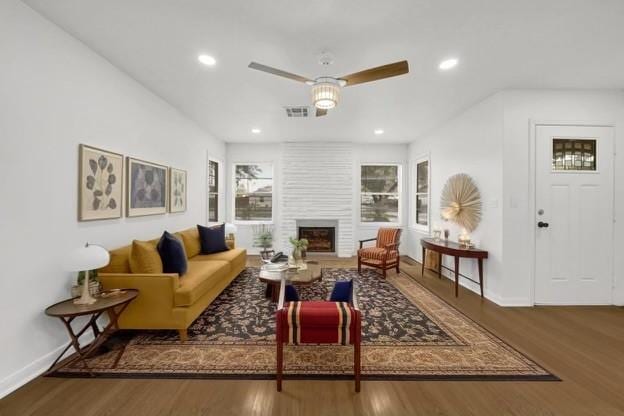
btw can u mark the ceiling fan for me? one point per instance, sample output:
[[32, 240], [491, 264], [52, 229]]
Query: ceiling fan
[[326, 90]]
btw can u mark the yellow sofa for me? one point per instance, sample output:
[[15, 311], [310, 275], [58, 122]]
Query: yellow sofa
[[167, 301]]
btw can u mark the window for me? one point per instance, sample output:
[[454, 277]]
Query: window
[[421, 218], [574, 154], [213, 191], [379, 193], [253, 184]]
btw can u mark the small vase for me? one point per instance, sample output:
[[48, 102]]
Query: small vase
[[297, 254]]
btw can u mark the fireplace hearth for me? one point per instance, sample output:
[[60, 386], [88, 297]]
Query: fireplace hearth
[[320, 239]]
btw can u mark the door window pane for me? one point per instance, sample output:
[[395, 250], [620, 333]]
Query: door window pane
[[573, 154]]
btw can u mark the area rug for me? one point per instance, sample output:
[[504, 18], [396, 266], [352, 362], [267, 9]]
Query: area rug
[[408, 333]]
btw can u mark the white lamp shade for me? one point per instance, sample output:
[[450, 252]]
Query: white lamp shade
[[87, 258], [230, 228]]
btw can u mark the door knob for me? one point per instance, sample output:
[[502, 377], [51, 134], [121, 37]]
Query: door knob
[[542, 224]]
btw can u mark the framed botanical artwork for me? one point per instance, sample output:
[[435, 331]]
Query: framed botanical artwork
[[100, 184], [147, 188], [177, 190]]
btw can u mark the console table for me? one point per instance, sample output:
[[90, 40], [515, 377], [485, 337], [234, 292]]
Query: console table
[[456, 250]]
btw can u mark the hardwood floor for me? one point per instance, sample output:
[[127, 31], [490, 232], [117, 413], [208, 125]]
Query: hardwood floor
[[584, 346]]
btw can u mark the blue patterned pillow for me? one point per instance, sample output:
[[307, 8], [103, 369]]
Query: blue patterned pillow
[[342, 291]]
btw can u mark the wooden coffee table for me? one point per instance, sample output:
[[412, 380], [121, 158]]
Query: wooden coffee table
[[298, 277], [110, 302]]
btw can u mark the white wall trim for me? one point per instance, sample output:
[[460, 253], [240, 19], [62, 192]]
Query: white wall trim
[[33, 370], [533, 125]]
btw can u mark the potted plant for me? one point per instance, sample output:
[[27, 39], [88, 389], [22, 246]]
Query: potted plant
[[263, 237], [94, 283], [299, 246]]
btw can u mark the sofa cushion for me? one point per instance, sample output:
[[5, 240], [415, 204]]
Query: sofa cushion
[[234, 255], [200, 277], [119, 261], [212, 239], [190, 238], [172, 254], [144, 257]]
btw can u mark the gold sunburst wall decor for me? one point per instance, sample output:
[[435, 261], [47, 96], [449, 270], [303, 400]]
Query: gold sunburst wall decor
[[461, 201]]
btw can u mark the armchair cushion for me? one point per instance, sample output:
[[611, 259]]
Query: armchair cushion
[[377, 253], [319, 322], [387, 236]]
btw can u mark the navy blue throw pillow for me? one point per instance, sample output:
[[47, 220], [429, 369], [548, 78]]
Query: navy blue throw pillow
[[291, 294], [172, 254], [212, 239], [342, 291]]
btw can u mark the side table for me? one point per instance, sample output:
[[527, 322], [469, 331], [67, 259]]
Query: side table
[[67, 311]]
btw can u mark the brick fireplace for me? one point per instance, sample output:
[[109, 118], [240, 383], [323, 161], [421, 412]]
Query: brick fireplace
[[321, 239]]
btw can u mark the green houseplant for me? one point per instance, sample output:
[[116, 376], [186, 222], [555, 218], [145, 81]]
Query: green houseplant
[[299, 246], [263, 237]]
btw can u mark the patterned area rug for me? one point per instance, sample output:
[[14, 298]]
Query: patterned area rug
[[408, 333]]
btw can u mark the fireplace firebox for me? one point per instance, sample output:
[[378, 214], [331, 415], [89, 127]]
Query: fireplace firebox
[[320, 239]]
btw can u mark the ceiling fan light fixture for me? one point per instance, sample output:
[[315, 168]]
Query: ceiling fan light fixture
[[325, 93]]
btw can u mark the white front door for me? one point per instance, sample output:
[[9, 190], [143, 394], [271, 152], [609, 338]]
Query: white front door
[[574, 218]]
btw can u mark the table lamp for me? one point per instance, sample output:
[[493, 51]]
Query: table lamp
[[230, 230], [85, 259]]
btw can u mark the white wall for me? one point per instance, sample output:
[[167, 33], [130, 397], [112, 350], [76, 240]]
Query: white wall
[[54, 94], [520, 108], [490, 141], [471, 143], [364, 153]]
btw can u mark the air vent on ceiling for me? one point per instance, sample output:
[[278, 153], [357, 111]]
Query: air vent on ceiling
[[297, 111]]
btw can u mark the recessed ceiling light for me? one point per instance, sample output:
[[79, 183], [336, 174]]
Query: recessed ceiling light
[[256, 131], [448, 64], [207, 60], [378, 131]]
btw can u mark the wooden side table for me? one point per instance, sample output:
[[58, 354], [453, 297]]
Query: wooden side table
[[67, 311], [456, 250]]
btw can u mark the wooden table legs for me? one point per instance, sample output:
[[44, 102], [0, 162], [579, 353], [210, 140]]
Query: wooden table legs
[[481, 275], [99, 337], [456, 276]]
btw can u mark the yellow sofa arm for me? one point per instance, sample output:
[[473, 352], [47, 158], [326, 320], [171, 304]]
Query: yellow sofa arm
[[156, 292]]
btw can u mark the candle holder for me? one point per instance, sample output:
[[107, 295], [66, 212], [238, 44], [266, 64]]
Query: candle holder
[[464, 239]]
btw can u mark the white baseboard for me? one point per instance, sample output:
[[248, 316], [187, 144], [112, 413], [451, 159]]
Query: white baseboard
[[33, 370]]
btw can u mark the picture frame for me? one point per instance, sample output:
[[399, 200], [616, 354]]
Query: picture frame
[[177, 190], [147, 188], [100, 184]]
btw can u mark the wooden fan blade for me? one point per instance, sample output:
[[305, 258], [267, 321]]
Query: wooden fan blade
[[321, 112], [374, 74], [279, 72]]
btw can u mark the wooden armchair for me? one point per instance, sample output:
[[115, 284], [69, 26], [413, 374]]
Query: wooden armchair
[[318, 322], [385, 254]]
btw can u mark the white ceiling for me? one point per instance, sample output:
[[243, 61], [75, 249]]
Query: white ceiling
[[500, 44]]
